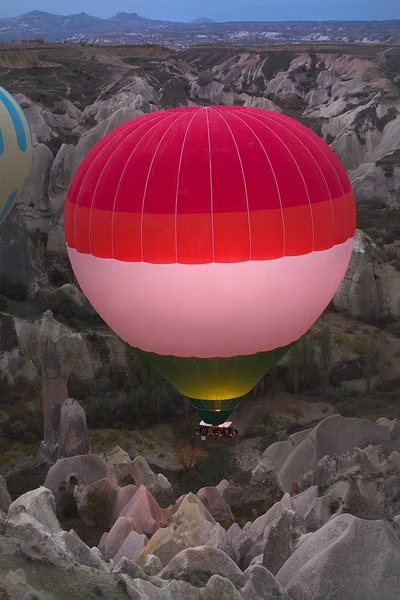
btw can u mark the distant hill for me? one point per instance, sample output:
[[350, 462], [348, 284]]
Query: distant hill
[[124, 16], [38, 22], [125, 22], [48, 26], [131, 28], [203, 21]]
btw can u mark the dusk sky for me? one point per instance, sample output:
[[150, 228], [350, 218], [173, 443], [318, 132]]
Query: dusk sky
[[220, 10]]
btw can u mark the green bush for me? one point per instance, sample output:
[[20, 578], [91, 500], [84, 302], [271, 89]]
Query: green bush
[[96, 506], [341, 339], [359, 347], [336, 394], [367, 404], [25, 422], [346, 409], [267, 418], [251, 430], [111, 438], [225, 524]]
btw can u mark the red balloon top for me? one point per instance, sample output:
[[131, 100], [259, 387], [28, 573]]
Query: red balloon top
[[209, 184]]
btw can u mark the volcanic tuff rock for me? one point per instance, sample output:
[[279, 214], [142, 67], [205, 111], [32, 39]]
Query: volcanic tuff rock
[[131, 546], [370, 288], [283, 537], [307, 565], [73, 438], [145, 511], [21, 270], [333, 435], [40, 505], [192, 525], [214, 502], [5, 499], [33, 202], [78, 355], [321, 565], [197, 565], [231, 493], [142, 474], [351, 100], [55, 393], [65, 566], [112, 541], [67, 473]]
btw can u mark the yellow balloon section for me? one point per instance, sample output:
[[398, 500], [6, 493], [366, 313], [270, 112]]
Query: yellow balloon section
[[15, 151]]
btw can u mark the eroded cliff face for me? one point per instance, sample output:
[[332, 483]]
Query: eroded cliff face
[[349, 96]]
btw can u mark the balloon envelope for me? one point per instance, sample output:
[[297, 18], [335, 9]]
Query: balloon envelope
[[15, 151], [210, 239]]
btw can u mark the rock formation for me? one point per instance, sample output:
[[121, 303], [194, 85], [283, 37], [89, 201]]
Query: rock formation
[[370, 288], [5, 499], [340, 559], [343, 527], [333, 435], [73, 437], [21, 271], [55, 393]]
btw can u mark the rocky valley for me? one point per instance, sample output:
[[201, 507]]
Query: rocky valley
[[95, 483]]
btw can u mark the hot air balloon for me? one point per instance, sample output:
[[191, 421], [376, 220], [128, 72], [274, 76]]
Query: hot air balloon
[[15, 151], [210, 239]]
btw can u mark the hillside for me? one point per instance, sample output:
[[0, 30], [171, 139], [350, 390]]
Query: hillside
[[313, 477]]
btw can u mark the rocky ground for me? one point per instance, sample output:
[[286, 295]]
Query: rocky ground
[[84, 533]]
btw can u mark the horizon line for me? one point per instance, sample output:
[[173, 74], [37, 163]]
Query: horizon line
[[212, 21]]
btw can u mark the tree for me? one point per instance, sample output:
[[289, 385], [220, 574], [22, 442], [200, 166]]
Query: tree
[[297, 413], [370, 361], [190, 456], [291, 409], [149, 391], [259, 388], [199, 455], [267, 418], [132, 377], [303, 364], [273, 384], [383, 362], [310, 370], [325, 355], [294, 365], [341, 339]]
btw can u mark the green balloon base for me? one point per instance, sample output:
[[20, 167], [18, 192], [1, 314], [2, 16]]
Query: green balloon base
[[219, 378], [214, 412], [227, 380], [214, 418]]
